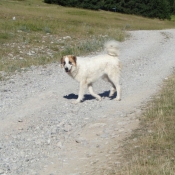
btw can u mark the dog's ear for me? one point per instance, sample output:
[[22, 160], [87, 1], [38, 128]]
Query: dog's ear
[[62, 61], [74, 60]]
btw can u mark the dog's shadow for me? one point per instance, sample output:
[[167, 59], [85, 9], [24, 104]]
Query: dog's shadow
[[90, 97]]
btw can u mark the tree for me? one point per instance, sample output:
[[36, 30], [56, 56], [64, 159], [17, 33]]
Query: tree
[[93, 4], [172, 5], [159, 9], [51, 1], [149, 8]]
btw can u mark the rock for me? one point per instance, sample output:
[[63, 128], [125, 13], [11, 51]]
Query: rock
[[67, 128], [54, 130], [97, 125], [1, 171], [79, 140], [60, 145], [30, 53], [48, 141], [66, 37], [20, 120]]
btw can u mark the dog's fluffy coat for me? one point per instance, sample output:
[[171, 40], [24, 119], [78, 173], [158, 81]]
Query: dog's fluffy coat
[[87, 71]]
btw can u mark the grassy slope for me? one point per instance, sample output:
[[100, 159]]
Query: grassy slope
[[151, 149], [37, 35], [42, 26]]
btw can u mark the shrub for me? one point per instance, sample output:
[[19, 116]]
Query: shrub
[[149, 8]]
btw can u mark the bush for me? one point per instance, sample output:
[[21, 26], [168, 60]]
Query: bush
[[149, 8], [51, 1]]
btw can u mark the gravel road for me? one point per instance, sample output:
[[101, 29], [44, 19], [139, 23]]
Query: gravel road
[[43, 133]]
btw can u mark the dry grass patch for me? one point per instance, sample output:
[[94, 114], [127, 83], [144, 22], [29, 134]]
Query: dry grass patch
[[42, 33], [151, 148]]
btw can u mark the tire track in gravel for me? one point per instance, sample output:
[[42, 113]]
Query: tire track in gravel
[[43, 133]]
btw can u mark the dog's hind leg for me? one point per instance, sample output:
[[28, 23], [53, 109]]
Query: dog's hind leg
[[113, 88], [93, 93], [112, 91], [118, 92], [116, 86]]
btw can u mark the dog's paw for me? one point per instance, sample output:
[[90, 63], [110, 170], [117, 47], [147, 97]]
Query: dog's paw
[[99, 98], [118, 99], [76, 102], [111, 94]]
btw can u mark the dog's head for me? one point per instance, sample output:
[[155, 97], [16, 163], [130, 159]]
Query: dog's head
[[68, 61]]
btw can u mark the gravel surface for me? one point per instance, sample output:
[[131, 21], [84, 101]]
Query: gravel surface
[[42, 132]]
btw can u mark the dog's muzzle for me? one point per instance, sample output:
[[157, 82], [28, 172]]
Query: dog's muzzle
[[66, 69]]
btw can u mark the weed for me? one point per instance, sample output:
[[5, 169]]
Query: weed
[[155, 150], [4, 36], [47, 30]]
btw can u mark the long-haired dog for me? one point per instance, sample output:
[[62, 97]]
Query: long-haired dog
[[87, 71]]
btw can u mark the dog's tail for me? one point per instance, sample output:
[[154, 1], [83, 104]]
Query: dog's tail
[[112, 48]]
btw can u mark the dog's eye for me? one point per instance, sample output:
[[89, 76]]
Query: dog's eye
[[64, 62], [70, 62]]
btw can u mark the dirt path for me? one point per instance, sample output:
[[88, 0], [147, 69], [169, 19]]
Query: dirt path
[[43, 133]]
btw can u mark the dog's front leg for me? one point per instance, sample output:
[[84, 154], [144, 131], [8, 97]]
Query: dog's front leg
[[83, 86]]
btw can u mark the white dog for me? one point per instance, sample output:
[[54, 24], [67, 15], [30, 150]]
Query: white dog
[[87, 71]]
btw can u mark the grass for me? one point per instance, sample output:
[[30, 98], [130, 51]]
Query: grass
[[151, 148], [173, 18], [50, 31], [42, 33]]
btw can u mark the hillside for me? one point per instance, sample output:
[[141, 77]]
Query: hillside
[[41, 33]]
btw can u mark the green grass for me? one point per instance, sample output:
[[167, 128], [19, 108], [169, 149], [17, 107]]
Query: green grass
[[173, 18], [42, 27], [151, 148], [39, 29]]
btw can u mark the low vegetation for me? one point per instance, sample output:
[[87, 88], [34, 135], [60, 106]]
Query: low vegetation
[[36, 33], [151, 148]]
